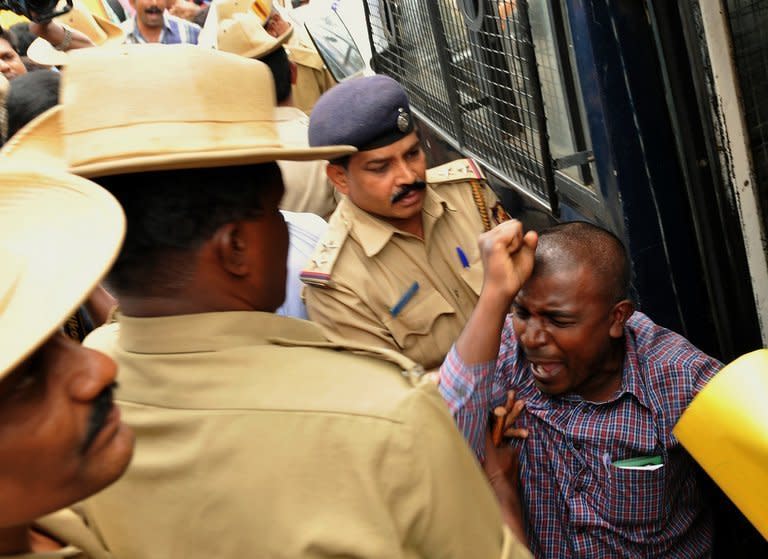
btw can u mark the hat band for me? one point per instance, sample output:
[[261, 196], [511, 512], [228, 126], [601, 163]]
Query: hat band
[[157, 139], [386, 139]]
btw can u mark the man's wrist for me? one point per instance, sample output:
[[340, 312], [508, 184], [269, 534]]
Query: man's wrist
[[66, 42]]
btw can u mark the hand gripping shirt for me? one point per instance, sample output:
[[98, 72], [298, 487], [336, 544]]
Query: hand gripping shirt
[[578, 502]]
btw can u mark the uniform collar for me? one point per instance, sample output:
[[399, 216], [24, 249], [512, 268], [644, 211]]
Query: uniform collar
[[211, 331], [373, 233]]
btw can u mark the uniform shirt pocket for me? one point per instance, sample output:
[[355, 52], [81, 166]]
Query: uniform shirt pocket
[[473, 276], [635, 496], [418, 317]]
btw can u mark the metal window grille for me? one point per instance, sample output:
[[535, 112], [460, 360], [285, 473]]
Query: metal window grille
[[470, 72]]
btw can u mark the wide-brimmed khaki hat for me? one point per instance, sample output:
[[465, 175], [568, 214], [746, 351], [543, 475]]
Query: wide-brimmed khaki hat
[[101, 31], [59, 234], [725, 429], [119, 114], [244, 35], [222, 10]]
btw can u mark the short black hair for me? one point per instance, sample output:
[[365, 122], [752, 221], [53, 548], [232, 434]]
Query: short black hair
[[171, 214], [30, 95], [281, 72], [24, 36], [580, 242], [10, 36]]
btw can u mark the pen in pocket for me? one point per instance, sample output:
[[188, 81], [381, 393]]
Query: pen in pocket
[[407, 296], [462, 257]]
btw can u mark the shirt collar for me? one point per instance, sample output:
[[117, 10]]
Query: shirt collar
[[632, 380], [211, 331], [373, 233]]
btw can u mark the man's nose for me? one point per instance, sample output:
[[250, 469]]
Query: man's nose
[[405, 173], [97, 371], [533, 334]]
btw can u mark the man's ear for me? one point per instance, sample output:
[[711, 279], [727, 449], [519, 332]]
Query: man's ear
[[231, 247], [338, 176], [620, 313]]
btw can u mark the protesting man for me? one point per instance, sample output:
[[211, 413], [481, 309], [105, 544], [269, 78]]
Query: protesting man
[[602, 475]]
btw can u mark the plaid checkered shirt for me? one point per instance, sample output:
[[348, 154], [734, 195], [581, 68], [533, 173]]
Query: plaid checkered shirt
[[577, 502]]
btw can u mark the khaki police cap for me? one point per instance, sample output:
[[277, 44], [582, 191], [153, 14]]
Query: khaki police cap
[[157, 107], [59, 234]]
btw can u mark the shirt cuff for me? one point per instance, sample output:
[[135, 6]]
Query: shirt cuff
[[467, 389]]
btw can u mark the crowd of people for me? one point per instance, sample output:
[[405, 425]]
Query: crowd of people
[[311, 331]]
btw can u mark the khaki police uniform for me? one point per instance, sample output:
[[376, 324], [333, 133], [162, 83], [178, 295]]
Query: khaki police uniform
[[66, 526], [258, 438], [312, 77], [364, 268], [307, 188]]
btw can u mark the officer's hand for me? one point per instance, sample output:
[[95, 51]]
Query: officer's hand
[[508, 257]]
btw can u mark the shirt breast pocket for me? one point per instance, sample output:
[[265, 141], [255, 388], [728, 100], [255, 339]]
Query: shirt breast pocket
[[635, 496], [418, 317], [473, 276]]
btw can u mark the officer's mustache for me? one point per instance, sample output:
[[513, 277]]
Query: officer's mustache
[[407, 189], [102, 405]]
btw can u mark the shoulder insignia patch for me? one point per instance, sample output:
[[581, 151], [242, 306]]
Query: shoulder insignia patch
[[318, 270], [458, 170]]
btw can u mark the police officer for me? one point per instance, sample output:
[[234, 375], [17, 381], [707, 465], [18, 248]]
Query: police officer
[[256, 436], [61, 437], [399, 267]]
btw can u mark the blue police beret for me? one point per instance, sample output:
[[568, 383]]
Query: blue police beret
[[368, 113]]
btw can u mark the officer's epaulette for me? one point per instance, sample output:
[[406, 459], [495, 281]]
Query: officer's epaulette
[[454, 171], [318, 269]]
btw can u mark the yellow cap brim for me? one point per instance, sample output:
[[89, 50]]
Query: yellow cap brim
[[725, 429]]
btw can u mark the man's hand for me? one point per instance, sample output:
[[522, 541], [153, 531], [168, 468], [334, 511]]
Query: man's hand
[[184, 9], [501, 468], [504, 418], [59, 37], [508, 258]]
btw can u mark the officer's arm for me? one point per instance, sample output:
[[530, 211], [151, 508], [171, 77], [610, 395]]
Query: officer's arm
[[447, 503], [344, 316]]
